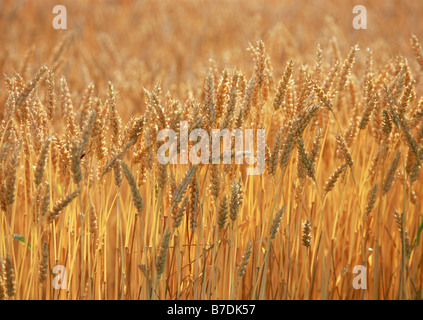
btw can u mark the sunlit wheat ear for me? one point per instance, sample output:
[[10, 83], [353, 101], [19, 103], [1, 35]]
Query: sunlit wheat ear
[[371, 200], [11, 168], [30, 86], [45, 199], [136, 196], [194, 204], [180, 213], [2, 280], [402, 231], [50, 95], [315, 149], [306, 237], [76, 161], [346, 68], [41, 164], [390, 175], [161, 258], [214, 181], [322, 96], [10, 277], [209, 100], [43, 268], [369, 100], [161, 177], [260, 68], [282, 86], [273, 161], [237, 196], [417, 50], [86, 132], [114, 117], [344, 150], [305, 163], [222, 213], [386, 123], [182, 187], [276, 222], [61, 204], [247, 102], [227, 119], [245, 259], [329, 185], [221, 95], [93, 220]]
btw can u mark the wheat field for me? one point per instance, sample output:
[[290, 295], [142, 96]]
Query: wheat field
[[88, 212]]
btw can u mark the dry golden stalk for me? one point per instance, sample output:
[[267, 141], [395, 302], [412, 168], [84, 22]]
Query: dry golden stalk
[[390, 176], [334, 177], [245, 259], [306, 237], [283, 83], [62, 203], [161, 258], [136, 196], [276, 222], [43, 262], [371, 200], [10, 277], [344, 150]]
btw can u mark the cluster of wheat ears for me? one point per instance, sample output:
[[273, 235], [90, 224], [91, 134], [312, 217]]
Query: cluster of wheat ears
[[82, 188]]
